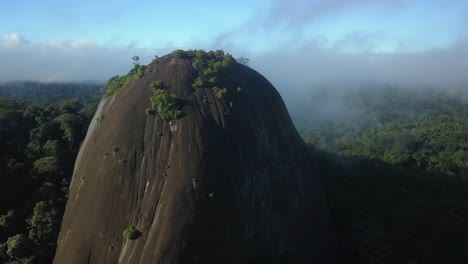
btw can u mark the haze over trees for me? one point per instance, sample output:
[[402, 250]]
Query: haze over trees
[[394, 163], [395, 170], [49, 93]]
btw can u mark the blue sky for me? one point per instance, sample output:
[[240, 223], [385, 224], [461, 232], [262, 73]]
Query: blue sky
[[118, 22], [257, 25], [410, 41]]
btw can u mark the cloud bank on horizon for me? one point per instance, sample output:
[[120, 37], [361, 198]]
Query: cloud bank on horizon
[[297, 43], [82, 60]]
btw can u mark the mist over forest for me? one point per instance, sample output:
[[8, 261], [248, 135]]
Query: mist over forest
[[377, 92], [312, 79]]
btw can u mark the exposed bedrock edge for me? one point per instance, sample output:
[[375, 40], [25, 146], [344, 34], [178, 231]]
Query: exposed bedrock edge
[[229, 184]]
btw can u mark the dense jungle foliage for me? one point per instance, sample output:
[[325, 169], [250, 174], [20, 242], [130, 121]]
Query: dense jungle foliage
[[39, 142], [394, 166], [395, 169]]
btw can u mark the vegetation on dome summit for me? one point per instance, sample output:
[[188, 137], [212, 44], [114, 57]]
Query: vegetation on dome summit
[[117, 83], [166, 104], [181, 54], [220, 93], [210, 66]]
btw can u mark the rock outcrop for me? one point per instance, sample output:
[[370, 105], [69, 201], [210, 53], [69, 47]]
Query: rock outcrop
[[229, 182]]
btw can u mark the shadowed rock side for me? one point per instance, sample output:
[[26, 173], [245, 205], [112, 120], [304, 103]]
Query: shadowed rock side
[[221, 185]]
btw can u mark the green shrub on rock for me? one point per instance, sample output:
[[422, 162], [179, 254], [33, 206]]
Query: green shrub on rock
[[220, 93], [167, 105], [131, 233]]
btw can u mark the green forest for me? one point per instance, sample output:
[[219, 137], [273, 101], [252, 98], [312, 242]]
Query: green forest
[[47, 93], [394, 166], [395, 172], [39, 142]]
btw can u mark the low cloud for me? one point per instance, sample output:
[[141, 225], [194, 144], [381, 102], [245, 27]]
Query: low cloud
[[311, 66], [81, 60], [12, 40], [283, 44], [300, 73], [292, 68]]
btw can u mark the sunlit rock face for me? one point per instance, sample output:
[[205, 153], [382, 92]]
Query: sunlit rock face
[[229, 182]]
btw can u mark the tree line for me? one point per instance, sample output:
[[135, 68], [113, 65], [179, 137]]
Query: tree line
[[39, 144]]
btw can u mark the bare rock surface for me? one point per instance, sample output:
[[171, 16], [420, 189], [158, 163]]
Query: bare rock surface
[[226, 183]]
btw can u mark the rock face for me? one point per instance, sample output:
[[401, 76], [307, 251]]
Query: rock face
[[226, 183]]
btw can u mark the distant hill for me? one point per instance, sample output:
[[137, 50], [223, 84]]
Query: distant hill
[[50, 93]]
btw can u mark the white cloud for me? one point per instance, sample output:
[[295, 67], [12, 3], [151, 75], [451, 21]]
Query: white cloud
[[12, 39], [82, 43], [60, 60], [291, 68]]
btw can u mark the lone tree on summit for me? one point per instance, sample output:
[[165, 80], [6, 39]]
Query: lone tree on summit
[[136, 60]]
